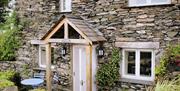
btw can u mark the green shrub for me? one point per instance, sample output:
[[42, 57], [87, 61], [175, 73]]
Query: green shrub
[[169, 56], [5, 83], [166, 85], [9, 38], [6, 78], [3, 4], [108, 73], [161, 69], [7, 75], [11, 76]]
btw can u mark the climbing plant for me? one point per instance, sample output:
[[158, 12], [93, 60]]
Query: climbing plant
[[169, 57], [9, 38], [108, 73]]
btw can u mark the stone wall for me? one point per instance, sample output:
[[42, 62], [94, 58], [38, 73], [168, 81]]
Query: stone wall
[[112, 17]]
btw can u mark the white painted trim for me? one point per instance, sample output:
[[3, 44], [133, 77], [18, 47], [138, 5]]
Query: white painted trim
[[132, 3], [94, 67], [137, 65], [39, 61], [80, 65]]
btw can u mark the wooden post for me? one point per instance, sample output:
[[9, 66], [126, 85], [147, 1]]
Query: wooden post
[[66, 30], [48, 67], [90, 49], [89, 68]]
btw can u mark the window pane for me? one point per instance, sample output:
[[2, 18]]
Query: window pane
[[130, 62], [43, 56], [68, 5], [65, 5], [158, 1], [145, 63]]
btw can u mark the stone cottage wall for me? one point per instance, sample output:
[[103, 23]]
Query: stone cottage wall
[[112, 17]]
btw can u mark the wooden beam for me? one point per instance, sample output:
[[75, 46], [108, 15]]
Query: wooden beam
[[79, 31], [90, 78], [89, 68], [75, 41], [143, 45], [66, 30], [48, 67], [55, 30], [39, 42]]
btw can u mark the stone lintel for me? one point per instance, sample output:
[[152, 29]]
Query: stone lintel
[[125, 39], [143, 45]]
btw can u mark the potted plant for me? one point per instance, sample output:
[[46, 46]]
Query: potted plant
[[177, 62]]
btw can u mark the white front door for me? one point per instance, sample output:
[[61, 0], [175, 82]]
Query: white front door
[[79, 68]]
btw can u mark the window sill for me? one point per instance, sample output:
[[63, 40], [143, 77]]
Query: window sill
[[161, 5], [137, 81], [65, 11]]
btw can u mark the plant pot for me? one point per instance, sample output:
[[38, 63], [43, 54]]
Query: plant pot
[[177, 68]]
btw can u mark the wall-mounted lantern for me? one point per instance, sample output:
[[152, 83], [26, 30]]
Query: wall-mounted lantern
[[100, 51], [63, 51]]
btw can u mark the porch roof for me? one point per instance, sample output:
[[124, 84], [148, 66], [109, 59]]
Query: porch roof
[[81, 26]]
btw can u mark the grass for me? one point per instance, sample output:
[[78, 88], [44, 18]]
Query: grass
[[166, 85]]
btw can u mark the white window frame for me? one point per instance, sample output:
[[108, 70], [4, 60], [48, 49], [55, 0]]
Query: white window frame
[[40, 61], [67, 5], [137, 75], [132, 3]]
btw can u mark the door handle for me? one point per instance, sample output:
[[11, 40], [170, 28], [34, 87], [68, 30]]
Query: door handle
[[82, 82]]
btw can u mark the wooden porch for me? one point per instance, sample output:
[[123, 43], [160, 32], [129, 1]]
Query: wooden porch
[[71, 30]]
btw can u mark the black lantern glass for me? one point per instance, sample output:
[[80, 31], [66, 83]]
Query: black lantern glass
[[63, 51], [100, 51]]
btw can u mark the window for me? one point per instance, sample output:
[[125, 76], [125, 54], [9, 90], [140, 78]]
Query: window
[[42, 57], [138, 64], [65, 5], [148, 2]]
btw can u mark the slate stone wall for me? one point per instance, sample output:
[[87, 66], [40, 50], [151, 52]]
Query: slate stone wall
[[113, 18]]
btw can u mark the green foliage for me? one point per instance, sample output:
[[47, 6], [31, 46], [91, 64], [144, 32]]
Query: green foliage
[[166, 85], [8, 75], [108, 73], [5, 79], [169, 57], [3, 4], [25, 72], [9, 38], [5, 83], [161, 69]]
